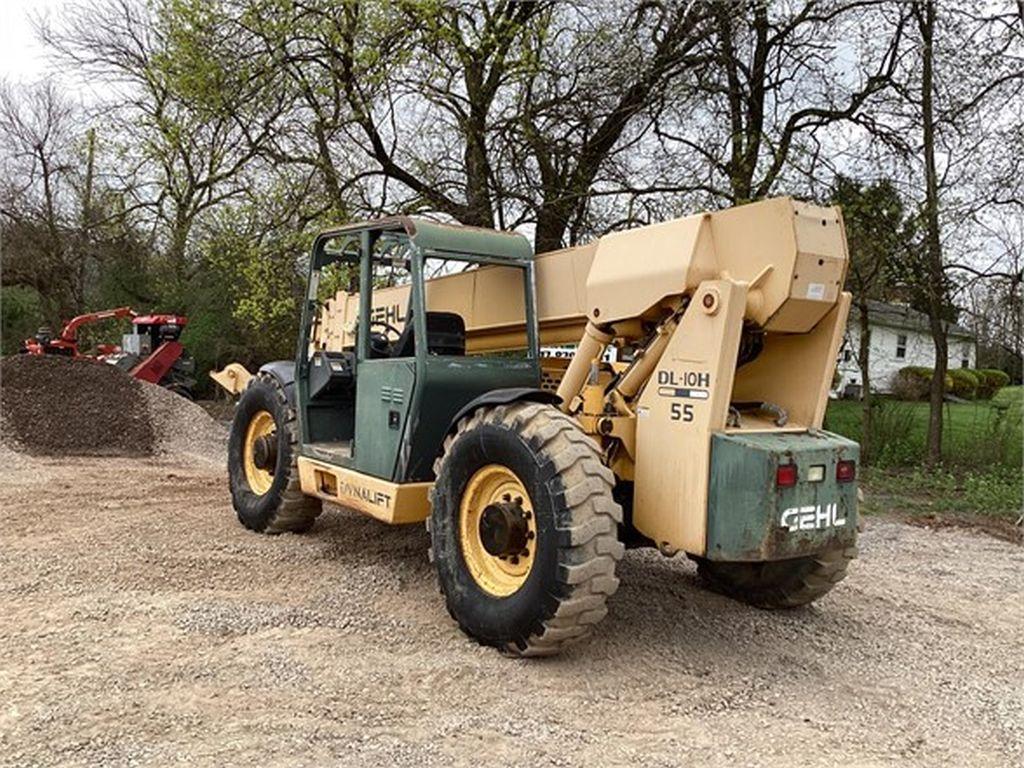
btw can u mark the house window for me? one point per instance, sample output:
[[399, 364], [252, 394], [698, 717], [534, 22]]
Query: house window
[[901, 345], [964, 362], [847, 355]]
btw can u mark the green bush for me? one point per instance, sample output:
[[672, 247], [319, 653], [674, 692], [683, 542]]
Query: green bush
[[994, 493], [990, 381], [1009, 398], [893, 439], [965, 383], [914, 383], [21, 314]]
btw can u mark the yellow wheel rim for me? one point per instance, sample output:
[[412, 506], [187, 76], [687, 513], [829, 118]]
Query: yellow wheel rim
[[261, 425], [502, 575]]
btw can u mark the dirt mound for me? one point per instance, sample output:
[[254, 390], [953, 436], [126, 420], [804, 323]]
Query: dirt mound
[[59, 406]]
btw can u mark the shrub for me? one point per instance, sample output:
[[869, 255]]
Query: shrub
[[965, 383], [1009, 398], [21, 313], [914, 383], [893, 441], [990, 381], [995, 492], [911, 383]]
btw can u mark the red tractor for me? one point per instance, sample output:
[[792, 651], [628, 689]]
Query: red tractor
[[151, 352]]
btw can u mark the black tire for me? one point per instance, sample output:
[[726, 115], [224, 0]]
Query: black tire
[[577, 548], [781, 583], [283, 507]]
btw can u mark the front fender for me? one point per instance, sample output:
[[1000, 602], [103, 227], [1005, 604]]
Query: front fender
[[504, 397], [284, 372]]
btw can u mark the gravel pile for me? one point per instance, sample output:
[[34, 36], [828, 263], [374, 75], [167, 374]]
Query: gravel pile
[[65, 407], [57, 406], [184, 429]]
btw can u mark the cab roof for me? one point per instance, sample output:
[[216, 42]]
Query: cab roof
[[446, 238]]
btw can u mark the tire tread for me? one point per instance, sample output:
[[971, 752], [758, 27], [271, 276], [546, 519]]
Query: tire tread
[[587, 526], [295, 512], [809, 579]]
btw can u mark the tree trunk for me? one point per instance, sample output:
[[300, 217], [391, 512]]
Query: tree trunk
[[933, 244], [480, 212], [177, 251], [332, 184], [552, 222], [85, 239], [863, 359]]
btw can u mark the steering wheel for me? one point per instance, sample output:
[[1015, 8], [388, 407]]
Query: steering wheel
[[380, 343]]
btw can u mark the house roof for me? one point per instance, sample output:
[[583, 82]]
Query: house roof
[[904, 317]]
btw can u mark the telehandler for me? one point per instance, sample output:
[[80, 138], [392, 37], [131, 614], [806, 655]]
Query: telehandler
[[419, 394]]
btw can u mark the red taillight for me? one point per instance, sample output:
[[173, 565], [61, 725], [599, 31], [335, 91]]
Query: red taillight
[[846, 471], [785, 475]]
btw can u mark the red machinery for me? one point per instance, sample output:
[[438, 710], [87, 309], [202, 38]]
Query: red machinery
[[152, 352], [66, 344]]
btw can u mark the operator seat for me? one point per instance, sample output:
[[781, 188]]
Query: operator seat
[[446, 335], [331, 375]]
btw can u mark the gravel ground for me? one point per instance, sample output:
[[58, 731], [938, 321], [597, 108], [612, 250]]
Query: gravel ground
[[143, 626]]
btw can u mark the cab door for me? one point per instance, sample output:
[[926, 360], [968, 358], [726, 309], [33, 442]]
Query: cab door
[[382, 408], [386, 382]]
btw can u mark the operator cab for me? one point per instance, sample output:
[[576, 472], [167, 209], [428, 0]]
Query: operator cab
[[385, 359], [332, 373]]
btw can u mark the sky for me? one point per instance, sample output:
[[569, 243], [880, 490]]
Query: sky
[[22, 57]]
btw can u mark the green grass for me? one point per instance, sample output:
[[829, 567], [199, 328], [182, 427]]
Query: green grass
[[980, 481], [917, 491], [980, 434]]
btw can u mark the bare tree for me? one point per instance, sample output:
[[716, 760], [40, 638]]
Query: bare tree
[[969, 72], [39, 199], [995, 299], [590, 104], [781, 75], [935, 279], [192, 153]]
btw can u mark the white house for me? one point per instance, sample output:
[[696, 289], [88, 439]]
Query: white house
[[899, 337]]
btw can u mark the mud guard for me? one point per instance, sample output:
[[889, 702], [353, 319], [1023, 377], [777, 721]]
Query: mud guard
[[284, 372], [504, 397]]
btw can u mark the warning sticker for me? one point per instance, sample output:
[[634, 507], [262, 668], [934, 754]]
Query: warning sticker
[[816, 291]]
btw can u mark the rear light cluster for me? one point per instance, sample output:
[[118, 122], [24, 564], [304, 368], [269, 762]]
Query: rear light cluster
[[786, 474], [846, 471]]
